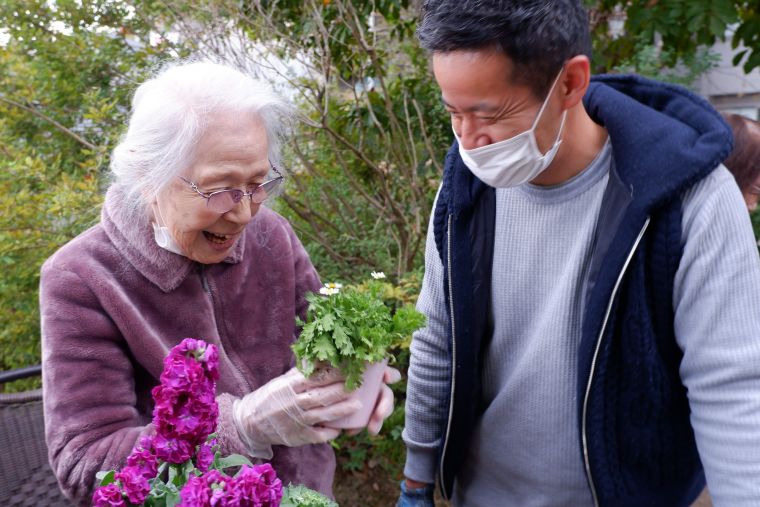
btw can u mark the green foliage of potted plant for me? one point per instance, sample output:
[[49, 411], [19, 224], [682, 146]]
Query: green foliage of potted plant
[[353, 329], [301, 496]]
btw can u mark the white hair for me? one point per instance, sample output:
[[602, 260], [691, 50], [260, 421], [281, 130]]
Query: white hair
[[170, 113]]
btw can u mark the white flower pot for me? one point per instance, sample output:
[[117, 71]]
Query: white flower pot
[[367, 393]]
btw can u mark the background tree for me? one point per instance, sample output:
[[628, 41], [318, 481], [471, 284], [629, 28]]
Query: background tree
[[369, 141], [679, 27], [66, 73]]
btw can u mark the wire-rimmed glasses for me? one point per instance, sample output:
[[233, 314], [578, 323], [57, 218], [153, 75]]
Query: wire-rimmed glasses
[[223, 201]]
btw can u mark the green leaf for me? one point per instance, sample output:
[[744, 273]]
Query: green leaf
[[342, 341], [173, 473], [186, 469], [326, 322], [172, 498], [301, 496], [105, 477], [738, 57], [324, 349], [233, 460]]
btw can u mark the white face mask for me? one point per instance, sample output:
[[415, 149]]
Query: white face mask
[[513, 161], [163, 236]]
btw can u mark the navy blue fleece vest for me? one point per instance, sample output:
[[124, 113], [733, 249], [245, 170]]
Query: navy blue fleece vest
[[640, 444]]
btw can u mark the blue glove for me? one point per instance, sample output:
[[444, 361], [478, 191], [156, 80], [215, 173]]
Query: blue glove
[[416, 497]]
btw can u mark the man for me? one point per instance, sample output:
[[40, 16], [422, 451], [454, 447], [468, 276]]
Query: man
[[591, 281]]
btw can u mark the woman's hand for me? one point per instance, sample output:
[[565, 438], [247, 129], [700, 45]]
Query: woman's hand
[[289, 409]]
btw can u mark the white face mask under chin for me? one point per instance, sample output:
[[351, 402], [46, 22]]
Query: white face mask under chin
[[513, 161], [164, 237]]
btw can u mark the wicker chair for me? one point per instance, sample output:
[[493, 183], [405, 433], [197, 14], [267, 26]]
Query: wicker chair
[[25, 474]]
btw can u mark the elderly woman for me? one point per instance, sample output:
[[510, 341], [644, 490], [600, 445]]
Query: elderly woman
[[184, 248], [744, 161]]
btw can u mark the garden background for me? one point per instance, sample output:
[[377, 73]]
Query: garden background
[[364, 160]]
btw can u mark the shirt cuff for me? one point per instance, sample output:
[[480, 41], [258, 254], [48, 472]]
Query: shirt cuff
[[420, 464]]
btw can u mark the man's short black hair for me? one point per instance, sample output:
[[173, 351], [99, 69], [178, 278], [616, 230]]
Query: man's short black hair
[[537, 35]]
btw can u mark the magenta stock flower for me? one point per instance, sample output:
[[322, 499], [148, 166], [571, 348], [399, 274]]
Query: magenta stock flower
[[256, 486], [185, 413], [185, 416], [134, 484], [172, 450], [210, 489], [218, 483], [211, 360], [108, 496], [207, 355], [195, 493], [144, 458], [191, 345], [215, 478], [205, 456], [181, 372]]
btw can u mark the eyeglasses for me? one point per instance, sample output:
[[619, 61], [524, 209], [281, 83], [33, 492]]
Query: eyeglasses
[[223, 201]]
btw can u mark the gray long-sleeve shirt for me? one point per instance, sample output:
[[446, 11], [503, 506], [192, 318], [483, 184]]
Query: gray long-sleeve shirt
[[525, 447]]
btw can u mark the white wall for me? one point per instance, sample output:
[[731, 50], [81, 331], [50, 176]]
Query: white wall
[[728, 87]]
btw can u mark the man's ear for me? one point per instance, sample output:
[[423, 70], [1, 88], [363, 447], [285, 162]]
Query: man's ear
[[577, 76]]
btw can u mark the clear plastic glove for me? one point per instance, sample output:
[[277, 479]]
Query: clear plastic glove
[[384, 403], [288, 410], [415, 497]]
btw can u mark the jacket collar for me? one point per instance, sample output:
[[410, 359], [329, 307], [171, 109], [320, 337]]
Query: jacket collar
[[132, 235]]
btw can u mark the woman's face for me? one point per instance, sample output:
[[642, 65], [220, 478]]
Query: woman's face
[[232, 153]]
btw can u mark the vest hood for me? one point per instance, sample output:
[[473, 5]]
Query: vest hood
[[664, 137]]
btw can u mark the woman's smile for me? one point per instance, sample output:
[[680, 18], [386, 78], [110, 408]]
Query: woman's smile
[[220, 241]]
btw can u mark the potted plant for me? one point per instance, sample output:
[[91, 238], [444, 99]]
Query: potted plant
[[353, 329]]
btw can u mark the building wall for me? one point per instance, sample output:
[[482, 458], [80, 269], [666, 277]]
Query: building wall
[[728, 88]]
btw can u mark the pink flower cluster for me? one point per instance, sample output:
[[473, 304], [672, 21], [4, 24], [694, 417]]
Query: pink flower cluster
[[184, 416], [254, 486]]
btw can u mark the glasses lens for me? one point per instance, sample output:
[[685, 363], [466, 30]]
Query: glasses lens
[[266, 190], [223, 201]]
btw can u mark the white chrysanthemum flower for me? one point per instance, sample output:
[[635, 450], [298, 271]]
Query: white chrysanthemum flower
[[330, 288], [377, 275]]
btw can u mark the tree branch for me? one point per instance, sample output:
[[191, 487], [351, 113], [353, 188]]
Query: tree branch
[[48, 119]]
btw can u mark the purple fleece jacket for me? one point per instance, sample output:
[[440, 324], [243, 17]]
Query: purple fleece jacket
[[113, 303]]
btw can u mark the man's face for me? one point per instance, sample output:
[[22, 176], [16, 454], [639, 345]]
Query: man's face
[[485, 106]]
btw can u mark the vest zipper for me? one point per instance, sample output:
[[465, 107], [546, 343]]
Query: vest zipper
[[584, 437], [453, 363]]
